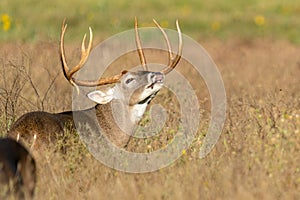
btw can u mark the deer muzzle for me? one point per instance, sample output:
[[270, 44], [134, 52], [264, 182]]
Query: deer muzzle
[[156, 77]]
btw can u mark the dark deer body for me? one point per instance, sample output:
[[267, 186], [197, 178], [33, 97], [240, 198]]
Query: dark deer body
[[17, 169]]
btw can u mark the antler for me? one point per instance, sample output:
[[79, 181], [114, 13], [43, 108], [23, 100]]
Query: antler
[[85, 52], [173, 61], [139, 46]]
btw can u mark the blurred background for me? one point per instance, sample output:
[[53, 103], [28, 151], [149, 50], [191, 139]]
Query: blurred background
[[35, 20]]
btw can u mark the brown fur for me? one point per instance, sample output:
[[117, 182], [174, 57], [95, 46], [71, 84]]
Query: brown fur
[[49, 126]]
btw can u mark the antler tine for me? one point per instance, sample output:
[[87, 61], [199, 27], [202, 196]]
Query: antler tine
[[167, 41], [139, 46], [62, 51], [85, 52], [172, 61]]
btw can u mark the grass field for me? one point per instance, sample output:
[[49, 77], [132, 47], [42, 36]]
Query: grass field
[[255, 45], [32, 20]]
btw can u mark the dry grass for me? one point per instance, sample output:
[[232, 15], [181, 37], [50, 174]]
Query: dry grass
[[256, 157]]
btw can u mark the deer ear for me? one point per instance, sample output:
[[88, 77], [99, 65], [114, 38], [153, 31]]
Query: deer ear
[[101, 97]]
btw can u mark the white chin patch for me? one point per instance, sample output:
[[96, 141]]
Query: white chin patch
[[137, 112]]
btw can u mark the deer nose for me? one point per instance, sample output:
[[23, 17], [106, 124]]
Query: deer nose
[[157, 77]]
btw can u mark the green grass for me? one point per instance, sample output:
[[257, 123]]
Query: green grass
[[33, 20]]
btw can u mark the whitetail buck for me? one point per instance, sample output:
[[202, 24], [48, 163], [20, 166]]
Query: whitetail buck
[[133, 91], [17, 170]]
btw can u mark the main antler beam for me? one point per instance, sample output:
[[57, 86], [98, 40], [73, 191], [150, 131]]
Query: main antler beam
[[85, 52]]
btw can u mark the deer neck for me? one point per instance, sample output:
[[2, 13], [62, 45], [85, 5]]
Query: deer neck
[[123, 115], [114, 121], [115, 118]]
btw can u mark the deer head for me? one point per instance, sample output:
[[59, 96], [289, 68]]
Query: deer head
[[135, 89]]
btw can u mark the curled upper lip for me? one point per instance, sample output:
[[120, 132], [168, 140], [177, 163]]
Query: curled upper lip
[[159, 78]]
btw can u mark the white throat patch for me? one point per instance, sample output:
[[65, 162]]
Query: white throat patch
[[137, 112]]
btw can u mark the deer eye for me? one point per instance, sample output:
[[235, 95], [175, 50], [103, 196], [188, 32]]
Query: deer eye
[[129, 80]]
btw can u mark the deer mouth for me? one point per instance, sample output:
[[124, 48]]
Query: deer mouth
[[155, 83], [157, 79], [148, 99], [152, 85]]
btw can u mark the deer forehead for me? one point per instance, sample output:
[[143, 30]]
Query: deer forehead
[[139, 78], [137, 83]]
